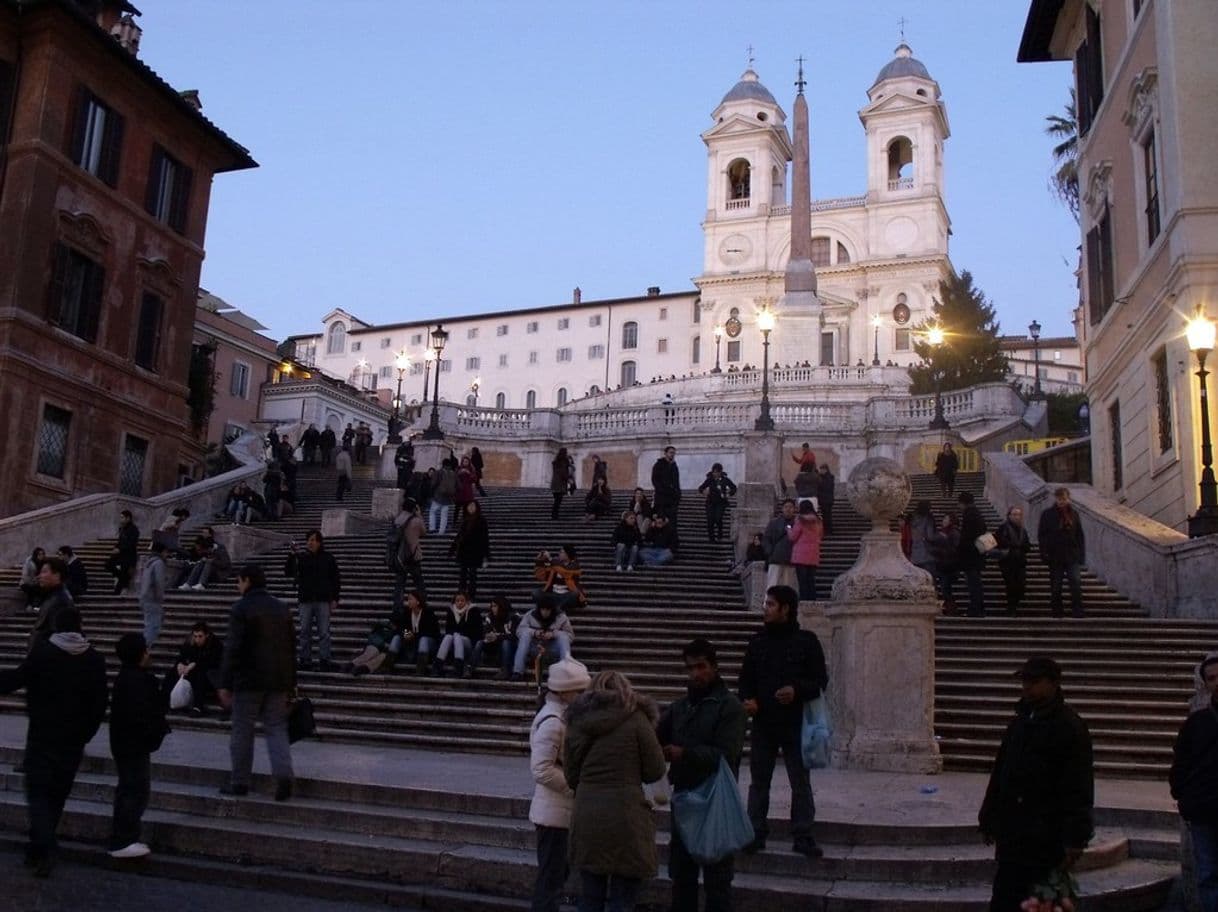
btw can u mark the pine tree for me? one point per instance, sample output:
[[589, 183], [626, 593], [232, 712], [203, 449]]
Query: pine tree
[[970, 353]]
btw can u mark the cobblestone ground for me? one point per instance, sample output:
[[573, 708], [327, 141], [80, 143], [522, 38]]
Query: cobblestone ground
[[83, 888]]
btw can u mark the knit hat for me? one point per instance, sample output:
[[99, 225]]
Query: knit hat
[[568, 675]]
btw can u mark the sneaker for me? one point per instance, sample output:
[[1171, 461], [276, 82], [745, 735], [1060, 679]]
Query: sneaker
[[198, 587], [630, 569], [618, 568], [183, 586], [135, 850], [807, 848]]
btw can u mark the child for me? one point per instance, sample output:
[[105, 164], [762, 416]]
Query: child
[[137, 728]]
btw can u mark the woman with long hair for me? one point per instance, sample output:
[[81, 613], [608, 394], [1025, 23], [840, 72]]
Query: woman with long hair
[[471, 547]]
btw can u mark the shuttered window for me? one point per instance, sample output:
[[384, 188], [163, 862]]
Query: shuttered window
[[168, 195], [76, 293], [97, 137], [148, 333]]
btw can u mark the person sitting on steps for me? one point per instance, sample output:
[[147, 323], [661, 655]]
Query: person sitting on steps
[[598, 501], [499, 636], [420, 632], [199, 663], [462, 629], [547, 629], [626, 540], [560, 578], [660, 542], [377, 650]]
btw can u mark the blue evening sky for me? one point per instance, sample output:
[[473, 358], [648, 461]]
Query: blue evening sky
[[429, 159]]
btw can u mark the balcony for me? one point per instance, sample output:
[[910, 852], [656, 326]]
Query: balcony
[[901, 183]]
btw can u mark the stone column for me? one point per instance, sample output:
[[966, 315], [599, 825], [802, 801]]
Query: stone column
[[882, 651], [757, 489]]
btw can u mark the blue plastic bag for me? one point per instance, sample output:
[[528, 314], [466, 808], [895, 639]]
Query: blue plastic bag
[[712, 818], [814, 734]]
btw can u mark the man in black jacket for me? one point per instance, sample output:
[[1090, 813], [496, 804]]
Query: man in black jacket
[[825, 496], [971, 561], [783, 668], [65, 696], [1194, 782], [137, 728], [1038, 806], [696, 731], [55, 598], [126, 552], [317, 589], [257, 679], [666, 480], [717, 488], [1059, 536]]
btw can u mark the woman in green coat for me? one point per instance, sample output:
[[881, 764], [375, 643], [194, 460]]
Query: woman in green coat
[[611, 751]]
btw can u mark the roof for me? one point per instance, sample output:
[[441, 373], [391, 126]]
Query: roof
[[749, 88], [1038, 31], [904, 64], [1016, 341]]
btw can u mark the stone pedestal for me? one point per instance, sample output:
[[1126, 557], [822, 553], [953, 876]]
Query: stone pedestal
[[812, 617], [246, 542], [386, 502], [337, 522], [758, 488], [386, 470], [428, 454]]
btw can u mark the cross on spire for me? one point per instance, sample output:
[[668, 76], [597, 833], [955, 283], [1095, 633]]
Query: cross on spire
[[902, 22], [752, 59], [799, 82]]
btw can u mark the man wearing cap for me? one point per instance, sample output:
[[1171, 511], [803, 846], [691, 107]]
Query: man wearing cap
[[553, 801], [1038, 806]]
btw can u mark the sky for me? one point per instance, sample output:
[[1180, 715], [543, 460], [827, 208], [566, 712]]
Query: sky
[[422, 160]]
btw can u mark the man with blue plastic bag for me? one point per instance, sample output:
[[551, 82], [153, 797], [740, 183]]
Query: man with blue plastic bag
[[700, 732], [784, 668]]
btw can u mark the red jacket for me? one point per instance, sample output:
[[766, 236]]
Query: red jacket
[[805, 538]]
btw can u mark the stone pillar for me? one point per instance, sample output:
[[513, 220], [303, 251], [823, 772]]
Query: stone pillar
[[757, 489], [882, 649]]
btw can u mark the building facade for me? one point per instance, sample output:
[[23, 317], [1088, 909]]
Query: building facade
[[1144, 73], [1057, 359], [878, 256], [105, 175]]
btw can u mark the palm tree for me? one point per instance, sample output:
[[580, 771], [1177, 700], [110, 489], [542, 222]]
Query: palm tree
[[1064, 182]]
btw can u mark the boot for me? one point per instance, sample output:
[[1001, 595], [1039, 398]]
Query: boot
[[459, 666], [420, 665]]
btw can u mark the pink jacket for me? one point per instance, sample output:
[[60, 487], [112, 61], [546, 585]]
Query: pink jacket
[[805, 538]]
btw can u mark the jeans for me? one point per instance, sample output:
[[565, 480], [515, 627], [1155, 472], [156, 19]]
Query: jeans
[[558, 496], [412, 650], [560, 644], [457, 644], [1205, 859], [467, 580], [412, 569], [602, 893], [130, 797], [683, 871], [1014, 580], [154, 614], [715, 512], [50, 771], [271, 708], [437, 517], [200, 574], [656, 557], [1072, 573], [551, 868], [304, 647], [766, 742], [806, 575], [976, 592], [342, 486], [507, 652], [625, 555]]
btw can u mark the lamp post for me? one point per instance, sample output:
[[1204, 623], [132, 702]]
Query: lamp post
[[718, 342], [1034, 332], [428, 357], [402, 362], [935, 337], [1201, 331], [875, 322], [765, 322], [473, 388], [439, 338]]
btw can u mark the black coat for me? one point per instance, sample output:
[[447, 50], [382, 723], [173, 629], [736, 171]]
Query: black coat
[[77, 580], [777, 544], [666, 480], [827, 484], [56, 600], [1061, 542], [1013, 541], [782, 655], [471, 627], [472, 546], [972, 527], [128, 544], [65, 694], [137, 713], [1194, 767], [1041, 792], [625, 534], [317, 577], [707, 728], [717, 490], [258, 650], [946, 465], [429, 624]]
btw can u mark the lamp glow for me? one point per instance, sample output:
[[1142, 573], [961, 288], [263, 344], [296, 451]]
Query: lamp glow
[[1201, 332], [765, 320]]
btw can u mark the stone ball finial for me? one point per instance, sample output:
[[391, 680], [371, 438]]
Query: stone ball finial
[[879, 489]]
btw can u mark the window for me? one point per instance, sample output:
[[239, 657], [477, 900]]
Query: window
[[148, 332], [53, 441], [733, 351], [629, 373], [472, 332], [1151, 170], [843, 255], [1163, 402], [1088, 74], [416, 339], [532, 357], [472, 400], [356, 346], [76, 293], [594, 320], [531, 327], [131, 466], [530, 399], [1072, 376], [446, 365], [697, 317], [168, 193], [901, 340], [1114, 430], [738, 188], [336, 338], [564, 354], [385, 342], [97, 137], [661, 346], [564, 322], [1099, 268], [500, 400], [695, 350], [820, 251], [385, 372], [596, 352], [826, 349], [416, 367], [6, 99], [473, 364], [630, 335], [239, 380], [663, 313], [503, 360], [562, 396], [900, 164], [501, 329]]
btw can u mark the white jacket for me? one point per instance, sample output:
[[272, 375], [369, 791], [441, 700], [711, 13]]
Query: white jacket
[[553, 801]]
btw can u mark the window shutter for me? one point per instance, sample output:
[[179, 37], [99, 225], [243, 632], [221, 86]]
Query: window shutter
[[6, 99], [1082, 100], [92, 303], [59, 269], [1095, 48], [112, 144], [155, 168], [76, 126], [181, 198]]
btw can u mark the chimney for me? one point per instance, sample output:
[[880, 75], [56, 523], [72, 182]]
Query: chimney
[[126, 33], [576, 296], [191, 97], [653, 291]]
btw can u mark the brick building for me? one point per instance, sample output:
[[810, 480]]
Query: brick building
[[105, 175]]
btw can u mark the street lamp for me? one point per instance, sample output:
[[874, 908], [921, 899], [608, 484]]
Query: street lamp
[[439, 338], [402, 362], [473, 388], [1034, 332], [935, 337], [1200, 333], [876, 321], [718, 342], [428, 357], [765, 322]]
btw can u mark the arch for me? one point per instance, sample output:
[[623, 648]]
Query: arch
[[695, 350], [336, 338], [500, 400], [471, 400], [561, 396], [900, 163], [778, 190], [530, 399], [843, 255], [629, 373], [630, 334], [739, 179]]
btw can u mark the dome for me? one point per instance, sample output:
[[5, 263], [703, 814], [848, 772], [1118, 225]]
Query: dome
[[749, 88], [902, 65]]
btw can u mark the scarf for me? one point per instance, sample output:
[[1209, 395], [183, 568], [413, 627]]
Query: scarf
[[71, 642]]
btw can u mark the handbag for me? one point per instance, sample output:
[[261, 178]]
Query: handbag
[[711, 818], [300, 719], [182, 696], [986, 543], [814, 734]]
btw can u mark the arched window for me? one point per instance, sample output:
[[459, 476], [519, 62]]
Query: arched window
[[562, 396], [695, 352], [471, 400], [778, 192], [530, 399], [900, 164], [843, 255], [630, 335], [738, 185], [500, 400], [629, 373], [820, 251], [697, 310], [336, 338]]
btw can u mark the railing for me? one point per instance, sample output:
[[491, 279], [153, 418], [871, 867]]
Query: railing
[[738, 204], [844, 416], [1036, 445], [969, 459], [803, 376], [499, 419], [901, 183], [827, 205]]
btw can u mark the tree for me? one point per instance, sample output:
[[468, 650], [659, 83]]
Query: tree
[[1064, 128], [970, 353]]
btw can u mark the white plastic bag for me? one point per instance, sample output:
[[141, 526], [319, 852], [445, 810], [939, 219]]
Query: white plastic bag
[[182, 696]]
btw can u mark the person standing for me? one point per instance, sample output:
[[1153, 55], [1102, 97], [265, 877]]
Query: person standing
[[126, 552], [666, 480], [560, 477], [153, 583], [1013, 548], [717, 488], [1038, 805], [947, 464], [784, 667], [326, 442], [553, 800], [442, 497], [472, 548], [408, 550], [1194, 782], [318, 586], [403, 460], [807, 483], [476, 460], [806, 536], [1059, 535], [309, 441], [55, 598], [805, 458], [77, 579], [696, 732], [611, 752], [779, 571], [65, 697], [972, 561], [257, 680], [342, 468], [825, 496]]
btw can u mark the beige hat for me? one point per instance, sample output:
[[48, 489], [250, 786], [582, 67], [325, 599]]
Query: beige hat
[[568, 675]]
